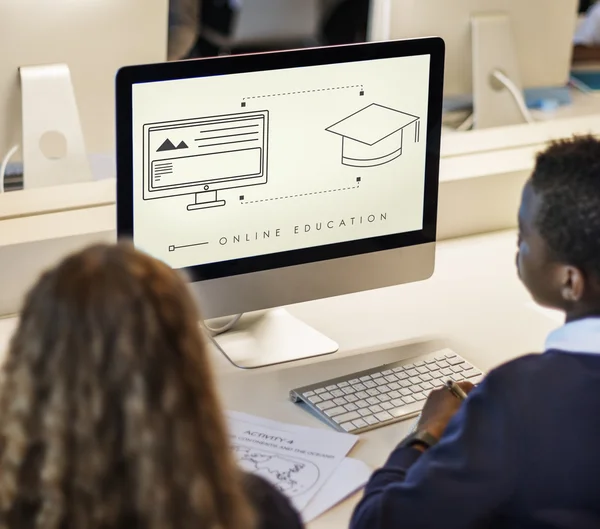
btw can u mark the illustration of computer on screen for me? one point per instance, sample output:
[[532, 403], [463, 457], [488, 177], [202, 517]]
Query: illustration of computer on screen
[[203, 156]]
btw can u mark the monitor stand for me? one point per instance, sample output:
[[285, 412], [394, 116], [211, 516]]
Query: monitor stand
[[206, 200], [53, 147], [493, 50], [271, 337]]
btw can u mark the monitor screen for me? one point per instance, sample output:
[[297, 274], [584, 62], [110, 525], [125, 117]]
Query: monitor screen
[[247, 170]]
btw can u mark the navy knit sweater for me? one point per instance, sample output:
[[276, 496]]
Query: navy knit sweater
[[522, 453]]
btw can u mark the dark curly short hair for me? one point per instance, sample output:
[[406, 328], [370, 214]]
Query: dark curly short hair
[[567, 179]]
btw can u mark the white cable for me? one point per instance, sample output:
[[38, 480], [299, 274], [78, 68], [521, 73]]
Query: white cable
[[227, 327], [4, 165], [467, 124], [517, 95]]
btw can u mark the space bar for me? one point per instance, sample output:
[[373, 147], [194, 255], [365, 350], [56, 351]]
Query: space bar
[[407, 409]]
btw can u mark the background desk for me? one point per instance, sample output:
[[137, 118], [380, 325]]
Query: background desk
[[473, 304]]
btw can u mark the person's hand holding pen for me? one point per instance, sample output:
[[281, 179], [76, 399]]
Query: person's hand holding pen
[[441, 406]]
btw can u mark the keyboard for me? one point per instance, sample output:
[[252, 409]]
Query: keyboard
[[387, 394]]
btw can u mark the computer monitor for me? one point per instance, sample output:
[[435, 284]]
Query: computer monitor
[[494, 48], [93, 38], [285, 177]]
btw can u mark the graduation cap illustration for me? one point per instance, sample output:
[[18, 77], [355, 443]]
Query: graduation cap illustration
[[374, 135]]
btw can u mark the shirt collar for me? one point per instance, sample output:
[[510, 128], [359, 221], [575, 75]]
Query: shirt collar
[[580, 336]]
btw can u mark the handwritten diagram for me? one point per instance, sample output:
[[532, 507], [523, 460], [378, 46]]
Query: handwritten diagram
[[374, 135], [292, 476]]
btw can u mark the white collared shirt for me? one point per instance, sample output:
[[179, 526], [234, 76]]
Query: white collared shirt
[[580, 336]]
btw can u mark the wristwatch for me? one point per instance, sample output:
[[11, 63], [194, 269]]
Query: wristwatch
[[420, 437]]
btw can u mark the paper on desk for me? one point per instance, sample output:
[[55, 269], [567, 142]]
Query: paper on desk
[[348, 478], [295, 459]]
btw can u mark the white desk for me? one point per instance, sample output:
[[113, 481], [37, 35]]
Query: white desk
[[474, 304]]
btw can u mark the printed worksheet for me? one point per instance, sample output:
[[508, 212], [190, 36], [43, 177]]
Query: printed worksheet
[[297, 460]]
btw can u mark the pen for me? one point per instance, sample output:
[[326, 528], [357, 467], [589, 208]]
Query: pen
[[456, 390]]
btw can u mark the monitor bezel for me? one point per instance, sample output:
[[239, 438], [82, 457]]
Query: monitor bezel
[[129, 76]]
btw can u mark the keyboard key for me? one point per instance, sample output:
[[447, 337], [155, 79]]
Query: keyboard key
[[450, 355], [370, 384], [394, 386], [422, 370], [447, 372], [394, 394], [340, 401], [361, 403], [427, 386], [359, 387], [325, 405], [359, 423], [372, 401], [455, 361], [436, 373], [387, 372], [373, 392], [398, 369], [349, 390], [383, 416], [332, 412], [457, 369], [383, 398], [371, 420], [470, 373], [387, 405], [379, 381], [412, 372], [364, 412], [351, 398], [362, 394], [441, 364], [309, 394], [348, 426], [366, 378], [419, 364], [343, 384], [319, 391], [419, 396], [351, 407], [332, 387], [350, 416], [354, 381], [391, 378], [426, 377], [375, 409], [408, 400], [476, 379], [405, 383], [430, 361], [315, 399], [326, 396], [439, 358], [337, 393], [406, 391], [407, 409], [414, 380]]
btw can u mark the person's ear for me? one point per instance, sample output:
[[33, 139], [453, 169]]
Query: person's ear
[[573, 284]]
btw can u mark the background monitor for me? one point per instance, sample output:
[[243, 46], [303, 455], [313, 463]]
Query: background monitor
[[94, 38], [530, 42], [284, 177]]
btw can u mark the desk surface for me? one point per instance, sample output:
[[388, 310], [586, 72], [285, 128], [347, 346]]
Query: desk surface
[[474, 304]]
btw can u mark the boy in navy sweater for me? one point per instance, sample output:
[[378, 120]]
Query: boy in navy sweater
[[523, 451]]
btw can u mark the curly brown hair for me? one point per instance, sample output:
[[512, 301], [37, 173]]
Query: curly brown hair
[[109, 417]]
